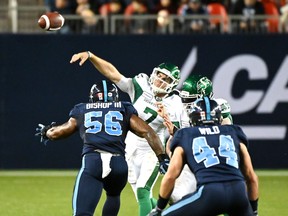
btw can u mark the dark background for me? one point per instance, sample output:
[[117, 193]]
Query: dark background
[[39, 85]]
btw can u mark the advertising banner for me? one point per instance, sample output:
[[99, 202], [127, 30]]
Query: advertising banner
[[39, 85]]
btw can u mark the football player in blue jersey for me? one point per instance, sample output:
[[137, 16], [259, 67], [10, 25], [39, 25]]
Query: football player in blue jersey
[[103, 124], [194, 87], [217, 155]]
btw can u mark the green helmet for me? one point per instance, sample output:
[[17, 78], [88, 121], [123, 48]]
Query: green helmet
[[173, 74], [194, 87], [205, 87]]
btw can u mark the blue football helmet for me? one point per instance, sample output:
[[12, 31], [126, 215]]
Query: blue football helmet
[[205, 111], [103, 92]]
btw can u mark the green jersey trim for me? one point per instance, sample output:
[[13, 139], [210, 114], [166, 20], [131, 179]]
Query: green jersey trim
[[177, 124], [227, 115], [138, 90]]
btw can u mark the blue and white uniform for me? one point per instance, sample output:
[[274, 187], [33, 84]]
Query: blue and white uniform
[[213, 154], [103, 128], [186, 182]]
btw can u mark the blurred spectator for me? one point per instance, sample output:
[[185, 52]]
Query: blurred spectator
[[164, 9], [169, 5], [219, 21], [64, 7], [136, 26], [284, 17], [249, 23], [113, 7], [87, 10], [197, 24]]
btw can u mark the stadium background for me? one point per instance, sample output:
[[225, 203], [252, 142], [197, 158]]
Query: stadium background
[[39, 85]]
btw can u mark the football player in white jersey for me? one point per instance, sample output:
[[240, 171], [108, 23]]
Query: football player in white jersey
[[146, 93]]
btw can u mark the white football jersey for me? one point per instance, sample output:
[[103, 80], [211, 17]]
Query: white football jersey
[[143, 99]]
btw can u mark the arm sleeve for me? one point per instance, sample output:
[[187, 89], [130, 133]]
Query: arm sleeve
[[75, 112], [130, 109], [126, 85], [242, 136]]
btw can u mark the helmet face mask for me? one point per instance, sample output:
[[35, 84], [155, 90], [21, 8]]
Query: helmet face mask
[[205, 111], [188, 99], [164, 78], [103, 92]]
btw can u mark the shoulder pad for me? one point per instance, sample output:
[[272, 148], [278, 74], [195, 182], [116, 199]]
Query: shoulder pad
[[225, 106], [142, 76]]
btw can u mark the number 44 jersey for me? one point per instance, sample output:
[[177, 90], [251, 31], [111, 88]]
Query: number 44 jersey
[[213, 147]]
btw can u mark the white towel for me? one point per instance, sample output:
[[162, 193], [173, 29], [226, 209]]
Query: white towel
[[106, 158]]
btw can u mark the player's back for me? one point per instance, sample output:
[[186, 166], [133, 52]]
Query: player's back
[[212, 152], [103, 125]]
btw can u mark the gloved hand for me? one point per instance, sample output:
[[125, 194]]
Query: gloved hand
[[164, 163], [155, 212], [254, 205], [42, 130]]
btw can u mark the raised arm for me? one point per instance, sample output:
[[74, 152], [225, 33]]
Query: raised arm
[[142, 129], [103, 66], [62, 131]]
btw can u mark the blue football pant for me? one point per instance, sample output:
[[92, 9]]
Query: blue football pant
[[89, 185], [214, 199]]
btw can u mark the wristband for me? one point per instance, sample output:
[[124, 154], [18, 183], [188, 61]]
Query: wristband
[[162, 157], [89, 54], [161, 203]]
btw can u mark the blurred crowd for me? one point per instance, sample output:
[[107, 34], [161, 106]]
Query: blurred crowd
[[192, 14]]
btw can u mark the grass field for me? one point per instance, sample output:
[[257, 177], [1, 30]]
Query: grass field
[[48, 193]]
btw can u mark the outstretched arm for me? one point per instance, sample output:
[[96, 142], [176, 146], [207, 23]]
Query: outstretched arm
[[103, 66], [62, 131], [142, 129]]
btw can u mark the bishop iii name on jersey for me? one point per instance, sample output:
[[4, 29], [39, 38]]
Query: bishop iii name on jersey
[[103, 105]]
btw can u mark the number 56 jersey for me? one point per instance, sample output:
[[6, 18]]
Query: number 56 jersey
[[103, 126]]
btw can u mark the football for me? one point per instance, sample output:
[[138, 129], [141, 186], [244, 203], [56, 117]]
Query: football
[[51, 21]]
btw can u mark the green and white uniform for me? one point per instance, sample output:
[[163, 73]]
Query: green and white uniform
[[142, 162]]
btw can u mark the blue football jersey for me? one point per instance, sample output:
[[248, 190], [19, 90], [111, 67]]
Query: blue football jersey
[[103, 126], [212, 152]]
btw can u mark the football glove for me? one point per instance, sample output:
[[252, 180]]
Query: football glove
[[254, 205], [42, 130], [155, 212], [164, 163]]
